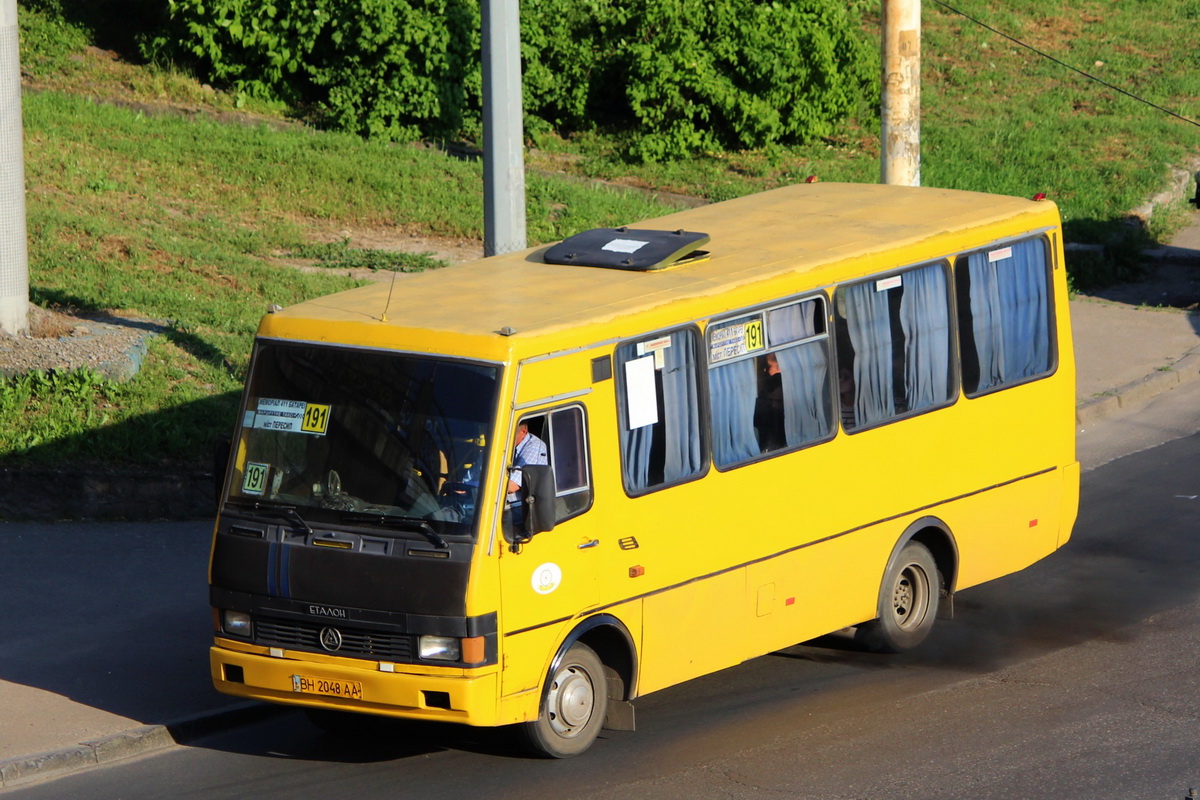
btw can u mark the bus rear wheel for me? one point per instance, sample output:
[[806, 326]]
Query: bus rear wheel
[[908, 600], [573, 706]]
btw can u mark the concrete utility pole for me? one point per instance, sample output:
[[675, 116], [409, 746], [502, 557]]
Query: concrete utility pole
[[901, 113], [14, 257], [503, 132]]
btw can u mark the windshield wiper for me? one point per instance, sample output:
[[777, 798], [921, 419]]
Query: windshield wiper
[[279, 509], [405, 523]]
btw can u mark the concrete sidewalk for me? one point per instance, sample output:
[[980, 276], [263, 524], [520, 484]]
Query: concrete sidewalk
[[107, 626]]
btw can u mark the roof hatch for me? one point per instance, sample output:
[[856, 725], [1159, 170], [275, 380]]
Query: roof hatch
[[627, 248]]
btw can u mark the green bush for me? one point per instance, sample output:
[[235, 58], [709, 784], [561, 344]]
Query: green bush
[[680, 76], [742, 74], [393, 69]]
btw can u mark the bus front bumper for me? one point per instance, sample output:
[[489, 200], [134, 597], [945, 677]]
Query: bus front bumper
[[296, 679]]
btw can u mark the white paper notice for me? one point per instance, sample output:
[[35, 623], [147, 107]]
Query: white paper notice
[[624, 245], [640, 392]]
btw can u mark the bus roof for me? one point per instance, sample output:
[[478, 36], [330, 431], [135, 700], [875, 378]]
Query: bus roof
[[820, 233]]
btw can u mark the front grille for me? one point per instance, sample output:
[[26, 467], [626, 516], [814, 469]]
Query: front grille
[[355, 642]]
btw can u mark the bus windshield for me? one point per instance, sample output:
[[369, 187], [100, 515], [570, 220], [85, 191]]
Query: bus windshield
[[344, 435]]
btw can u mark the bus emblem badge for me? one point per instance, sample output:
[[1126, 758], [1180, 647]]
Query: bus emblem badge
[[331, 639], [546, 578]]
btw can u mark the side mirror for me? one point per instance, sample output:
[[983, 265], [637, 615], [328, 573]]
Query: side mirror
[[538, 481]]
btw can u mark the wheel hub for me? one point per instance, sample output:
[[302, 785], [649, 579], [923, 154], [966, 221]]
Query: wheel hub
[[572, 701]]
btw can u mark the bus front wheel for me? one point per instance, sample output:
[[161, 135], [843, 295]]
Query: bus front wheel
[[573, 706], [908, 602]]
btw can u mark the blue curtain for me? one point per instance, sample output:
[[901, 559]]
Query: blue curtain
[[870, 330], [733, 389], [805, 372], [636, 443], [681, 408], [1010, 314], [925, 320], [679, 418]]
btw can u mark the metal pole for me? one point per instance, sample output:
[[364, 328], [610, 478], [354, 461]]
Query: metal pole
[[901, 112], [14, 258], [503, 135]]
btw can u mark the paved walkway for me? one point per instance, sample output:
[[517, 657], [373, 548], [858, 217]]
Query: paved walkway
[[107, 626]]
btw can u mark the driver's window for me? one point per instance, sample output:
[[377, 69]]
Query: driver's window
[[563, 432]]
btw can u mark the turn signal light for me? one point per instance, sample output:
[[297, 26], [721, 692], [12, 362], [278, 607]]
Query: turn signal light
[[472, 650]]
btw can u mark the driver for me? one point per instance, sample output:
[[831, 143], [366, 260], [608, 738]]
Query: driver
[[529, 451]]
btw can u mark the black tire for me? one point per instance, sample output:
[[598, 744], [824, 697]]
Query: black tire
[[908, 600], [574, 703]]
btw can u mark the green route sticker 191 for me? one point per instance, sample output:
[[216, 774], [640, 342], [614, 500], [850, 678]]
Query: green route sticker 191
[[255, 479]]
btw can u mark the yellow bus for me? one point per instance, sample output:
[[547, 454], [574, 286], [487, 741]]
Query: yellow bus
[[530, 489]]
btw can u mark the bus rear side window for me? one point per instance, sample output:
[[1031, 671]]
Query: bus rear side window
[[1005, 318], [894, 346], [660, 412]]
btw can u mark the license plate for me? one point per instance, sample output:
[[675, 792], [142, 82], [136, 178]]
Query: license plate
[[326, 686]]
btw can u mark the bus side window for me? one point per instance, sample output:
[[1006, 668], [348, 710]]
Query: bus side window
[[564, 431], [779, 400], [1004, 315], [569, 455], [659, 409], [894, 354]]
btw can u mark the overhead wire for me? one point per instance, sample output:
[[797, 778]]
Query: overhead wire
[[1061, 63]]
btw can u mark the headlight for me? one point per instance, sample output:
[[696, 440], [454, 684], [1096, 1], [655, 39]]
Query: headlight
[[440, 648], [236, 623]]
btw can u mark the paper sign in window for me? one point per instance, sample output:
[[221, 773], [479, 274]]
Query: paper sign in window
[[291, 416], [656, 347], [641, 398], [894, 282], [736, 339]]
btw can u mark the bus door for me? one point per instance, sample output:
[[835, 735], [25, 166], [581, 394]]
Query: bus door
[[548, 577]]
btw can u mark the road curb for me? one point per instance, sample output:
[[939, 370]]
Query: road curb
[[138, 741], [1135, 393]]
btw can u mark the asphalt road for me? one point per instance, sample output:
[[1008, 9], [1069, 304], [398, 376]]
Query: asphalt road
[[1076, 678]]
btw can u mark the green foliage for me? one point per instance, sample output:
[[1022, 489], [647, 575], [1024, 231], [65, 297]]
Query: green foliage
[[749, 74], [76, 417], [52, 405], [394, 69], [682, 76]]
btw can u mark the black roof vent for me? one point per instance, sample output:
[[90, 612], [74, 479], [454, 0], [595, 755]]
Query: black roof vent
[[627, 248]]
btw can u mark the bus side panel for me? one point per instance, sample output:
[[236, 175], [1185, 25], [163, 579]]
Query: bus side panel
[[815, 590], [1006, 529], [526, 656], [1070, 502], [694, 629]]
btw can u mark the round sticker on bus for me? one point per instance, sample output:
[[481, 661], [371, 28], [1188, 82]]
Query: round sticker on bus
[[546, 578]]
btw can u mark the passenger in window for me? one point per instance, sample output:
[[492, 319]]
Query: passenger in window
[[768, 408], [529, 451], [846, 393]]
